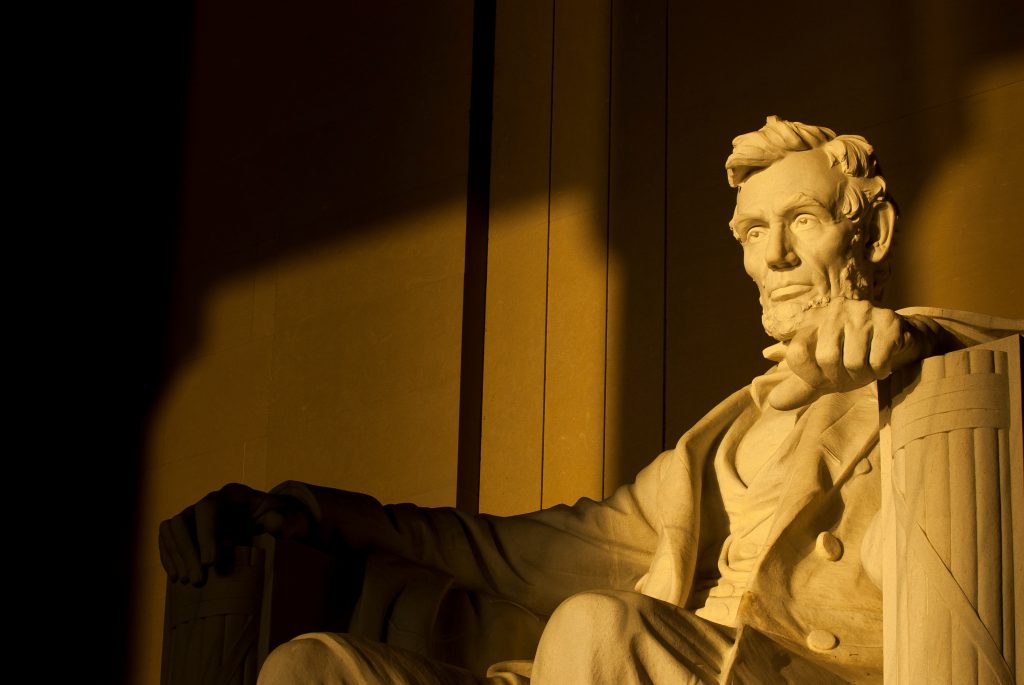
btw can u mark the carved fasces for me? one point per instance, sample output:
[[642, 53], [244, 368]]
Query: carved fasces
[[953, 499]]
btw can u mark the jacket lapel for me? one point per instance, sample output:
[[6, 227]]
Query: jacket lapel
[[835, 432], [679, 498]]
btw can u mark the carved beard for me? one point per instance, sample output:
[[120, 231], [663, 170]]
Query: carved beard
[[781, 321]]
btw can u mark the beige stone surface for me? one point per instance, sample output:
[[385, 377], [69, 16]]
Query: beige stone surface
[[953, 480]]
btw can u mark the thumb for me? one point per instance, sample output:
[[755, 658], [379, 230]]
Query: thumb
[[791, 393], [284, 517], [271, 521]]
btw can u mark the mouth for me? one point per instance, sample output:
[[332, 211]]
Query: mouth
[[788, 292]]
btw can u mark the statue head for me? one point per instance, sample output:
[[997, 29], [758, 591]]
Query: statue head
[[813, 217]]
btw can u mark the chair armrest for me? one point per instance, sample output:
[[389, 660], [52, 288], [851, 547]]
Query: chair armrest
[[953, 517], [267, 594]]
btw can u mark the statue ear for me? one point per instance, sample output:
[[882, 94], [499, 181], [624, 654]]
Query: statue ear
[[883, 223]]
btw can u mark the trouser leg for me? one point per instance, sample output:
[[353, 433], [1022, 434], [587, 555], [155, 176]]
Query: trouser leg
[[335, 659], [625, 638]]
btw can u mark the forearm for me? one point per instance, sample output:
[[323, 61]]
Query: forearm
[[536, 559]]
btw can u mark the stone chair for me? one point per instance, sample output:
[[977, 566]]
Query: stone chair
[[221, 633]]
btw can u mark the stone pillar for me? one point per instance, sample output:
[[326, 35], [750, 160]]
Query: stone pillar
[[953, 507]]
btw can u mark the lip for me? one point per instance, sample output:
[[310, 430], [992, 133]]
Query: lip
[[788, 292]]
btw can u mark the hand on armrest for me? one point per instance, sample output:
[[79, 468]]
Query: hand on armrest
[[849, 344], [194, 540]]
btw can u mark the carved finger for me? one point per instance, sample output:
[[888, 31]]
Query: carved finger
[[167, 545], [792, 393], [284, 517], [828, 352], [271, 521], [887, 343], [187, 549], [801, 357], [881, 358], [206, 530], [857, 351], [165, 556]]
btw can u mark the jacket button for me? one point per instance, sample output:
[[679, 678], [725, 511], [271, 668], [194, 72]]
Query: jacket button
[[828, 546], [821, 640]]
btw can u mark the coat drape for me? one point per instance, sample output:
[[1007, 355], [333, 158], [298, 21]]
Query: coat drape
[[661, 534]]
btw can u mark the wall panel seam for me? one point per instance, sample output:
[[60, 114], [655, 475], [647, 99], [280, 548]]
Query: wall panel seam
[[547, 261]]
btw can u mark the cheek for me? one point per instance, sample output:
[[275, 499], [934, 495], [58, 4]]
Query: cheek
[[827, 254], [753, 264]]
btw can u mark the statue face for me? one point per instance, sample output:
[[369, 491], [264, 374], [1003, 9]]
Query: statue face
[[796, 250]]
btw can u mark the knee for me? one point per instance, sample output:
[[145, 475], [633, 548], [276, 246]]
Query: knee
[[598, 607], [597, 619], [303, 659]]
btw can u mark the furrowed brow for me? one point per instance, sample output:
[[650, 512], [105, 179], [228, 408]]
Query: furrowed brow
[[799, 201], [741, 223]]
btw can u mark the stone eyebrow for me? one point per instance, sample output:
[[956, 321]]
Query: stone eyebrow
[[741, 223], [800, 200]]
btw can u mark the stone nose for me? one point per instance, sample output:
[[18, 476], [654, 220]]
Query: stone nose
[[779, 252]]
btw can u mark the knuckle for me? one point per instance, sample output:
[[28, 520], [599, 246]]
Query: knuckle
[[799, 353], [827, 355], [888, 323], [854, 353], [881, 356], [854, 362]]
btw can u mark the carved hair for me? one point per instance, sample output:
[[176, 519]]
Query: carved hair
[[865, 188]]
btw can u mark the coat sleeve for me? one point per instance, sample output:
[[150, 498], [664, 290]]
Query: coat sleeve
[[535, 559], [964, 328]]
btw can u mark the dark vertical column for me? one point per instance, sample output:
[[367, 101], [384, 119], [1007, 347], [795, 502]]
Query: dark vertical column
[[475, 280]]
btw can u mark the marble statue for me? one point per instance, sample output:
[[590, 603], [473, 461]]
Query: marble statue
[[749, 553]]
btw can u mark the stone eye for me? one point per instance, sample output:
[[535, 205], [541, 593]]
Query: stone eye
[[804, 221], [757, 233]]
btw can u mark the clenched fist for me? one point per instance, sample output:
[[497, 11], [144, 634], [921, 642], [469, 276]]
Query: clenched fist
[[848, 344]]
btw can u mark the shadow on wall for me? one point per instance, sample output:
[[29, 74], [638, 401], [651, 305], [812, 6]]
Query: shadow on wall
[[959, 240], [325, 128]]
